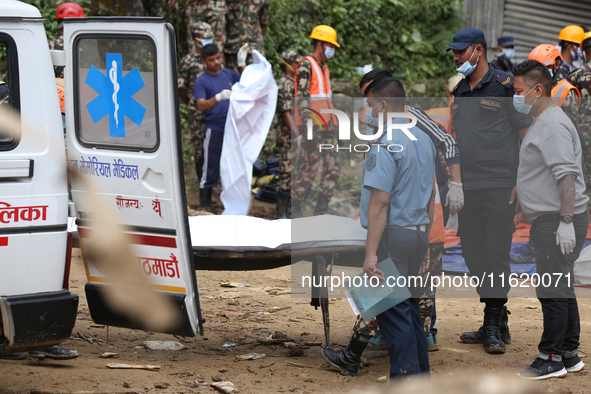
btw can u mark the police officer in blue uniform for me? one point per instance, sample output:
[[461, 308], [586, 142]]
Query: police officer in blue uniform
[[488, 129], [397, 195]]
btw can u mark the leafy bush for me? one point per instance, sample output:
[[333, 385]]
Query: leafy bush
[[407, 37]]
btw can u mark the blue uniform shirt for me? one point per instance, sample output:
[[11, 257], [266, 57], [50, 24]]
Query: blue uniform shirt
[[407, 175], [206, 87]]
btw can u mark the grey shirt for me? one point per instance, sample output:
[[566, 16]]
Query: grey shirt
[[550, 150]]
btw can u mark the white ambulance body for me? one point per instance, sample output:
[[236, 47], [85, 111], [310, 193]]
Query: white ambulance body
[[37, 310], [123, 135]]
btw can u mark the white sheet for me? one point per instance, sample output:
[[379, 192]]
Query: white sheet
[[242, 233], [252, 107]]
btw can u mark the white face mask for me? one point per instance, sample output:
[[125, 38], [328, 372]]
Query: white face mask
[[509, 53], [519, 102]]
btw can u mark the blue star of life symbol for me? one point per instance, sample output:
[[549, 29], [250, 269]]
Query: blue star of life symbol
[[115, 93]]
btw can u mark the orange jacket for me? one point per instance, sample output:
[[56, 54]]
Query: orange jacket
[[437, 233], [561, 90], [320, 91]]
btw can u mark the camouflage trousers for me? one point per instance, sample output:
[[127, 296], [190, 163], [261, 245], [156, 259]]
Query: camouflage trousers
[[215, 17], [196, 123], [149, 7], [284, 175], [426, 301], [309, 164], [587, 167]]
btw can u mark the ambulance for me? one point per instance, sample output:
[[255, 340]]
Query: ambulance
[[123, 135]]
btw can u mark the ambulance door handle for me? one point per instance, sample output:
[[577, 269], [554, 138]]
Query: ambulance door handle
[[22, 168]]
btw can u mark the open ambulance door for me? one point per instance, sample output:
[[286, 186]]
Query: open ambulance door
[[124, 135]]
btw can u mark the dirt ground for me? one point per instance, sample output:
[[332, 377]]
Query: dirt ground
[[246, 315]]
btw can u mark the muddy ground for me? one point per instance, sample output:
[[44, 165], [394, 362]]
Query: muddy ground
[[245, 316]]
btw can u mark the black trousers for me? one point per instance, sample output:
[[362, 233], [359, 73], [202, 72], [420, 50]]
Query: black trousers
[[555, 288], [486, 228]]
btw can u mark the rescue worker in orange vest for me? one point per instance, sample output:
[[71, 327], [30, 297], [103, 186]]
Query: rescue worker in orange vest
[[313, 93], [569, 41], [564, 94]]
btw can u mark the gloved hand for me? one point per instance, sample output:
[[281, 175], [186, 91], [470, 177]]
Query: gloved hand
[[565, 237], [455, 198], [299, 141], [223, 95], [241, 57]]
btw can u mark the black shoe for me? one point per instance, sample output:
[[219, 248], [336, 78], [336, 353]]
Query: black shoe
[[296, 210], [543, 369], [205, 198], [322, 206], [13, 356], [505, 334], [282, 202], [489, 333], [346, 360], [55, 353], [526, 257], [573, 364]]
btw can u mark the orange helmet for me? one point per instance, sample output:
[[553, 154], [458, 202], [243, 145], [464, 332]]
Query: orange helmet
[[69, 10], [61, 92], [545, 54]]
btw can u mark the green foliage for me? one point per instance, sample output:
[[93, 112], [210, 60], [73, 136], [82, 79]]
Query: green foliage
[[407, 37], [48, 8]]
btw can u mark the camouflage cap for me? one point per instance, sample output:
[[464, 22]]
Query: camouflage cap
[[291, 57], [202, 30]]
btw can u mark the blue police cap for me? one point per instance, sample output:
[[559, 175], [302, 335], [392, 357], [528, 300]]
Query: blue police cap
[[505, 41], [465, 38]]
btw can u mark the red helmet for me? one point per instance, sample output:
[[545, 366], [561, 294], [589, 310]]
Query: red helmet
[[69, 10]]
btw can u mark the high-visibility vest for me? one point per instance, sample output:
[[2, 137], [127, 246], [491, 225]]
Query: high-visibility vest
[[320, 91], [441, 116], [437, 233], [561, 90]]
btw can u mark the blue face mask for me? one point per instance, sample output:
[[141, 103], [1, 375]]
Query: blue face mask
[[520, 105], [370, 119], [365, 102], [579, 53], [329, 52], [468, 68], [509, 53], [551, 72], [205, 41]]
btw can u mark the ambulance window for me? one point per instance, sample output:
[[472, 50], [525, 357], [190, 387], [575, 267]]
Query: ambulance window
[[9, 88], [115, 84]]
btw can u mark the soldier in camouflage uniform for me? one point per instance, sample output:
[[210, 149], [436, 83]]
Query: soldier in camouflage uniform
[[191, 67], [310, 157], [212, 12], [289, 62], [247, 24], [581, 79]]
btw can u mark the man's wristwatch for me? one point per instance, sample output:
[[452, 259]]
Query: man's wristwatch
[[566, 218]]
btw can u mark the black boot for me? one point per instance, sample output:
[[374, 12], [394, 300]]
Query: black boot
[[322, 206], [55, 353], [505, 334], [347, 360], [489, 333], [205, 198], [282, 201], [296, 210]]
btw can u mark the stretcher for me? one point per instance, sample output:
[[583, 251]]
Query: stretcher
[[244, 243]]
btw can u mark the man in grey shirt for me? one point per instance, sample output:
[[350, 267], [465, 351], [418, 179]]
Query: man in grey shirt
[[550, 189]]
